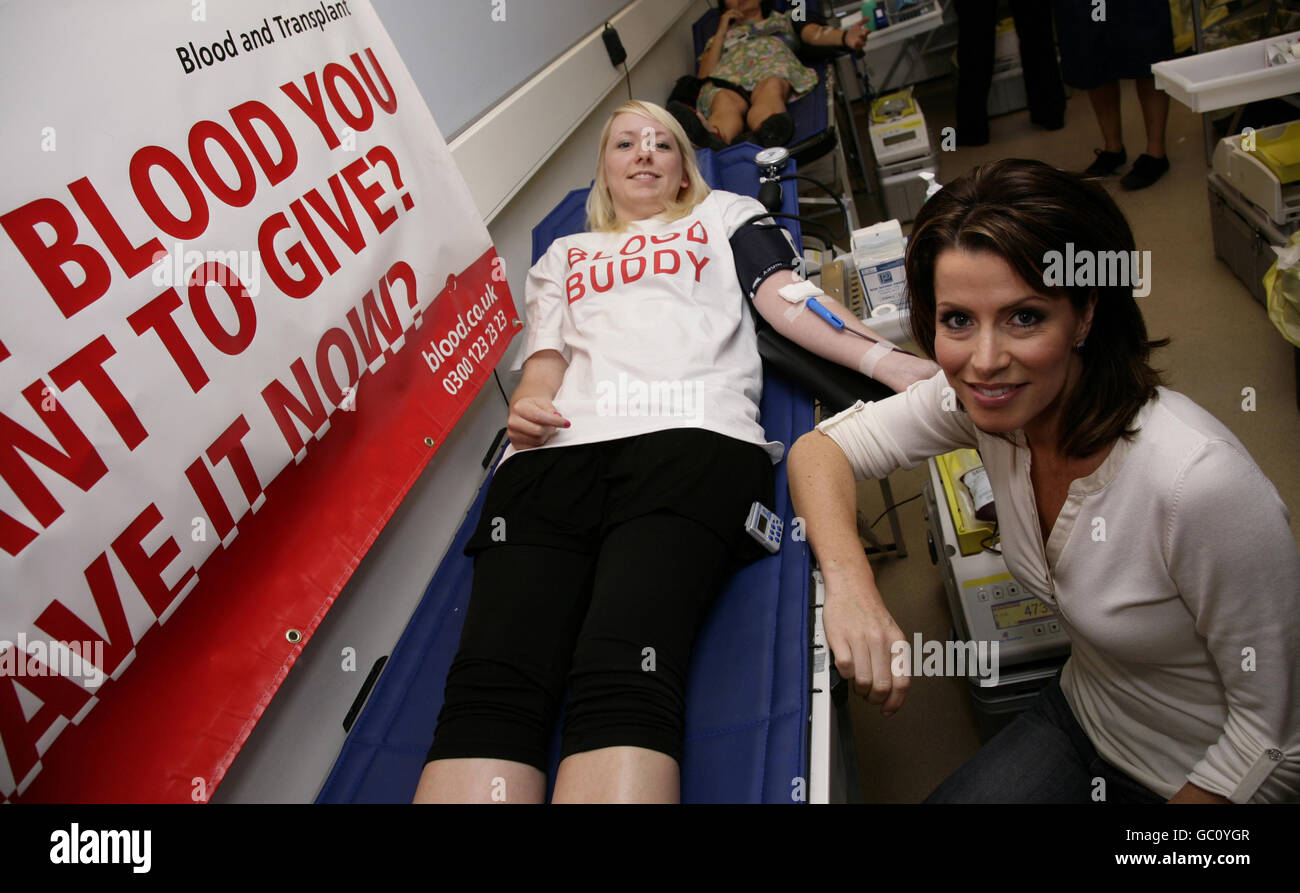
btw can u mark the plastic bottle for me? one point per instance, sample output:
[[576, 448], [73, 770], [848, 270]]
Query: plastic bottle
[[932, 185], [981, 493], [869, 15], [881, 20]]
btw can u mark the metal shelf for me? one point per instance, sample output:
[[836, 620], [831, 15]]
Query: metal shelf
[[924, 18]]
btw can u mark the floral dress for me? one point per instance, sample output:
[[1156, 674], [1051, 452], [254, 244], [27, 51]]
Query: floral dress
[[755, 50]]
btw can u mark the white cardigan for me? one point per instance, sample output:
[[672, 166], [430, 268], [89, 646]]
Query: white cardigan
[[1184, 620]]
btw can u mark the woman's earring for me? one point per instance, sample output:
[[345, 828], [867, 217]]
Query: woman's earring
[[1078, 345]]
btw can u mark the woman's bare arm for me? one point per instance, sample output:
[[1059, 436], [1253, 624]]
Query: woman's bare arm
[[533, 418], [1190, 793], [824, 36], [895, 369], [859, 628], [709, 60]]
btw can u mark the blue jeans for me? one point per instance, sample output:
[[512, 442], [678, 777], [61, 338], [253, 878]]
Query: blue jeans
[[1044, 756]]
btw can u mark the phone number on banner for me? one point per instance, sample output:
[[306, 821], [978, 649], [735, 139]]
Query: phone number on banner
[[462, 339]]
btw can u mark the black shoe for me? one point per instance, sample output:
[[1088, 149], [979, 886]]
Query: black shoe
[[699, 135], [777, 130], [1106, 163], [1145, 171], [1049, 122]]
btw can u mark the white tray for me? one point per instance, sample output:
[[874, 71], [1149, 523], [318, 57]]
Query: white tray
[[1226, 77], [1244, 172], [922, 18]]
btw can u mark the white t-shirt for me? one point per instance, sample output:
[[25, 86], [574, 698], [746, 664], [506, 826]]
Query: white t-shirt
[[654, 326], [1173, 569]]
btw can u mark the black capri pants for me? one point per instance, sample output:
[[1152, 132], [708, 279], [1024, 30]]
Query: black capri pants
[[594, 567]]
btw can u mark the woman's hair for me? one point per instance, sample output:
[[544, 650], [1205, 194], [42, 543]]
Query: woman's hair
[[601, 217], [764, 6], [1027, 213]]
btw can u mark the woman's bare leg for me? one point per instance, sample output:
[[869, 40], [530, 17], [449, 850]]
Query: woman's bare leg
[[618, 775], [727, 115], [1105, 105], [1155, 113], [769, 98], [480, 780]]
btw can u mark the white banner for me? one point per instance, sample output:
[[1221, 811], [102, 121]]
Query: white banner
[[221, 222]]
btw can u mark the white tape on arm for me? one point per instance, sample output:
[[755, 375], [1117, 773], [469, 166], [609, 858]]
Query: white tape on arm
[[798, 293], [878, 351]]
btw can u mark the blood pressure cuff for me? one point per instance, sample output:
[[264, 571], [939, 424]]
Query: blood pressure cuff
[[760, 249]]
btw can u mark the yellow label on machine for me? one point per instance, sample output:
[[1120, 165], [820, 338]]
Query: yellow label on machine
[[970, 530], [893, 105]]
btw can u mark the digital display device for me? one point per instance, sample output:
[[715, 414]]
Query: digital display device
[[1026, 610], [765, 527]]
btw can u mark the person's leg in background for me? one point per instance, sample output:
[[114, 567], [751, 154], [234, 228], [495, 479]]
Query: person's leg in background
[[1152, 164], [1042, 73], [976, 25], [656, 578], [1098, 50], [504, 688], [1087, 63], [727, 114], [1155, 114], [1106, 106], [1152, 36], [767, 116], [694, 116]]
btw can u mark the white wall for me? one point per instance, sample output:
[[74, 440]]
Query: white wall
[[501, 43], [573, 164], [293, 747]]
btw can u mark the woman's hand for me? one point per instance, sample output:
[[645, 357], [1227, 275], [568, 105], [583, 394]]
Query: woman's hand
[[533, 421], [856, 37], [862, 634], [726, 20], [859, 629]]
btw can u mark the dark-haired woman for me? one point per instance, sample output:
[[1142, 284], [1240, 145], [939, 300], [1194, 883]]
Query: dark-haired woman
[[752, 73], [1135, 514]]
